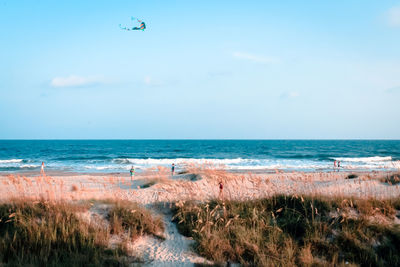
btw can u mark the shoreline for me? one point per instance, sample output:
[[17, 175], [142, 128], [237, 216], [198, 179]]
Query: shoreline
[[234, 171]]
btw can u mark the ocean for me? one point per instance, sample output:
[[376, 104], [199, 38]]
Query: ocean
[[111, 156]]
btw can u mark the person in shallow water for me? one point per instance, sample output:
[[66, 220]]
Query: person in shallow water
[[42, 169], [132, 171], [173, 169]]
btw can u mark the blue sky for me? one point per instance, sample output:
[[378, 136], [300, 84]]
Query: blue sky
[[204, 69]]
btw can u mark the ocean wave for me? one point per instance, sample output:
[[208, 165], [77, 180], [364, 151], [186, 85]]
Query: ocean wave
[[152, 161], [82, 158], [296, 156], [312, 167], [106, 167], [2, 161], [259, 164], [365, 159], [278, 167], [240, 164], [18, 168], [28, 166]]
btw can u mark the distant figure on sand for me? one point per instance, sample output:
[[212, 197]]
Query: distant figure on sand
[[221, 192], [173, 169], [42, 169], [338, 165], [334, 165], [132, 171]]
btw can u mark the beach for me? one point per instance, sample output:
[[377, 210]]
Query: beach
[[198, 184], [158, 191]]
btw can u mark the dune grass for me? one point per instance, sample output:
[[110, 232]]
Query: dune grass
[[294, 230], [51, 234], [391, 179], [136, 221]]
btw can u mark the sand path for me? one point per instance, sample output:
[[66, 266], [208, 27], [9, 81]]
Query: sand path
[[175, 250]]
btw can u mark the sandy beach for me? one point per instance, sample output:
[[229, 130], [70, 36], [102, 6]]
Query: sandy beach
[[157, 190], [198, 184]]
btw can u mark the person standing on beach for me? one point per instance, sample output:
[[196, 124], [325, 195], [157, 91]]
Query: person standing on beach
[[221, 192], [173, 169], [132, 171], [338, 165], [42, 169], [334, 165]]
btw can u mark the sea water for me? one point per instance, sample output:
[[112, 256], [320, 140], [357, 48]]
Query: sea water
[[235, 155]]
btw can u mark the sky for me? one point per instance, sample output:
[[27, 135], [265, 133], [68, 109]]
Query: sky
[[201, 70]]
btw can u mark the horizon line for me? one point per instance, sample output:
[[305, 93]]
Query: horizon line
[[201, 139]]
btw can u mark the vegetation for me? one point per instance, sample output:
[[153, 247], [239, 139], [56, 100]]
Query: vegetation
[[391, 179], [49, 233], [136, 221], [352, 176], [287, 231]]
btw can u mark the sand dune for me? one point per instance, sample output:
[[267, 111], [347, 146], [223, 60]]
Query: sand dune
[[202, 186]]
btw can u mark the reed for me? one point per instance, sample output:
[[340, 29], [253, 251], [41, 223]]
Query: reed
[[294, 230]]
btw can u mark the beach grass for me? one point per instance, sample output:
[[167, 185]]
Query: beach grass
[[391, 179], [44, 233], [129, 217], [294, 230]]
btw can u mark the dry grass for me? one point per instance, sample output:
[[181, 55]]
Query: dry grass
[[136, 221], [51, 189], [45, 233], [391, 179], [74, 188], [305, 231]]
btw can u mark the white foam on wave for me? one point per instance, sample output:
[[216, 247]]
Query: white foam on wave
[[124, 164], [278, 167], [261, 164], [106, 167], [365, 159], [30, 166], [2, 161], [152, 162]]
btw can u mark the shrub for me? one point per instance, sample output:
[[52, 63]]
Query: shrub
[[351, 176], [391, 179]]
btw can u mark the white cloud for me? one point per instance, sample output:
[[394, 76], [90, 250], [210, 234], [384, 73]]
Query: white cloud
[[291, 94], [147, 80], [150, 81], [75, 81], [393, 16], [254, 58]]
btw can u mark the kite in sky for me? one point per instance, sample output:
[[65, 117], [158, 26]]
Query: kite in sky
[[141, 27]]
